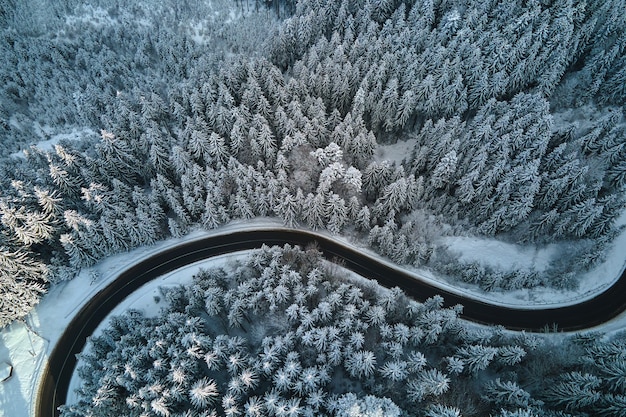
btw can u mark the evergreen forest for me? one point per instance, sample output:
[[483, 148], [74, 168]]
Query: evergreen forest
[[124, 123], [284, 333], [192, 114]]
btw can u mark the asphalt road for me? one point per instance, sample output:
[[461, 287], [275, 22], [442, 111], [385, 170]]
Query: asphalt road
[[56, 376]]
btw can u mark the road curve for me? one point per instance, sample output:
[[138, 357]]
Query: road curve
[[59, 368]]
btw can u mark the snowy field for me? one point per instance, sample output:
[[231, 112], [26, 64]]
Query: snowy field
[[27, 351]]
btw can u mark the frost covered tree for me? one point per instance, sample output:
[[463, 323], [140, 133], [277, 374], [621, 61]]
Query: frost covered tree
[[477, 357], [575, 391], [439, 410], [23, 282], [349, 405], [506, 394], [203, 393], [431, 382], [288, 207]]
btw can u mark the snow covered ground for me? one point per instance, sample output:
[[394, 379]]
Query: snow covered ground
[[48, 139], [395, 152], [27, 351], [509, 257]]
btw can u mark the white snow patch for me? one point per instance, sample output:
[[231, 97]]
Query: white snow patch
[[395, 152], [48, 140], [233, 16], [97, 16], [6, 370], [25, 351], [501, 255], [584, 117], [224, 13], [196, 33]]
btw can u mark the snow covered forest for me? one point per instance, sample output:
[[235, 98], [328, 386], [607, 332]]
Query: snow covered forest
[[190, 114], [125, 122], [286, 334]]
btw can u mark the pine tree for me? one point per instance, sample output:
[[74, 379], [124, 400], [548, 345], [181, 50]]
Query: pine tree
[[375, 177], [455, 365], [510, 355], [395, 371], [199, 145], [477, 357], [254, 407], [49, 201], [574, 391], [430, 382], [444, 170], [582, 216], [159, 158], [67, 183], [23, 283], [438, 410], [210, 217], [217, 149], [349, 404], [394, 198], [524, 413], [241, 208], [117, 158], [336, 212], [360, 364], [613, 371], [507, 394], [617, 175], [613, 405], [288, 207], [79, 256], [181, 160], [363, 219], [238, 137]]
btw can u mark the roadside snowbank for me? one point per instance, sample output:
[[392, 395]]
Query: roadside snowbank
[[509, 257]]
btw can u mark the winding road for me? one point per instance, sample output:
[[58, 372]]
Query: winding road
[[58, 371]]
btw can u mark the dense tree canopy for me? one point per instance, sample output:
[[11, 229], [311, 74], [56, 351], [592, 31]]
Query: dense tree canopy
[[515, 112], [283, 333]]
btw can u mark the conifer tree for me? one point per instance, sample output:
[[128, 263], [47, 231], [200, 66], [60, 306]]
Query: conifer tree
[[23, 282]]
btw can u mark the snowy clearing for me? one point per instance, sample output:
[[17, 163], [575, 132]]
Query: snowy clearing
[[47, 140], [499, 254], [395, 152], [509, 257]]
